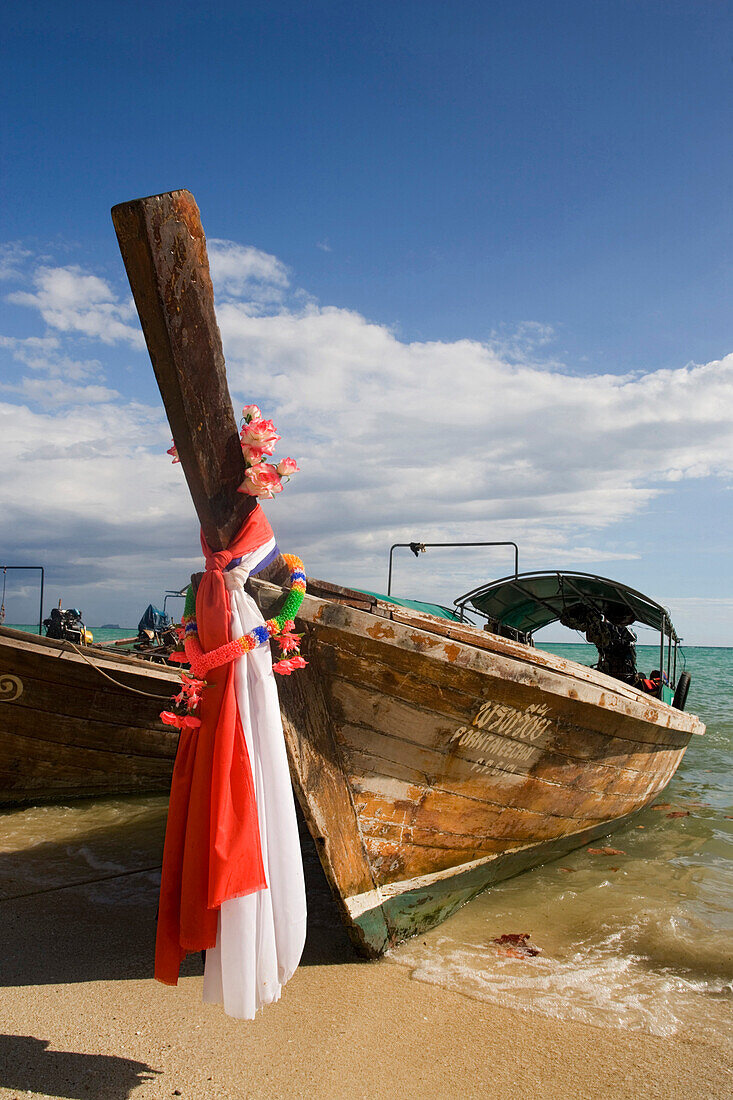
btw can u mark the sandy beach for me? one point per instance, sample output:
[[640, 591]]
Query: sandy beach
[[82, 1017]]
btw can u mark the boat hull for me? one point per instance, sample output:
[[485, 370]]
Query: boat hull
[[70, 727], [432, 760]]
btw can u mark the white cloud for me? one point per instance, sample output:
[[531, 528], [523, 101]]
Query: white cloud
[[90, 493], [440, 441], [458, 435], [56, 379], [13, 257], [71, 300], [454, 441], [241, 271], [710, 618]]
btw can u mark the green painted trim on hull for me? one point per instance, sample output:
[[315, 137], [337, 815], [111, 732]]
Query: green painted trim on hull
[[416, 911], [370, 933]]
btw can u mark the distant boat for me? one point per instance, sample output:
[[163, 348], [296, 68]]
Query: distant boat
[[431, 758], [110, 626], [77, 721]]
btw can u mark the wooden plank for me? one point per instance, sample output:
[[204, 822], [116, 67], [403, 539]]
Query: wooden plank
[[94, 704], [394, 860], [81, 759], [380, 757], [14, 643], [487, 675], [53, 728], [483, 639], [382, 687], [364, 717], [451, 814], [70, 674], [433, 726], [30, 775], [164, 251], [348, 596], [462, 692]]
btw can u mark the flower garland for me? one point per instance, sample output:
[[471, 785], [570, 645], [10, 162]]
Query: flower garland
[[281, 628], [190, 694], [258, 437], [262, 479]]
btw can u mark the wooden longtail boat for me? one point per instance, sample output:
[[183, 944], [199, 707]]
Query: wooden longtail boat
[[431, 759], [77, 722]]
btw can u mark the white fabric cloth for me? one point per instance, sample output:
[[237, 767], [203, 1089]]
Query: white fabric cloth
[[261, 936]]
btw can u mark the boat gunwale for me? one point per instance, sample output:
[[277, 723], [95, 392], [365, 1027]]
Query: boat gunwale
[[611, 696], [86, 655]]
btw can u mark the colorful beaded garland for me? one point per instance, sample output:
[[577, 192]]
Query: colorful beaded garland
[[201, 662]]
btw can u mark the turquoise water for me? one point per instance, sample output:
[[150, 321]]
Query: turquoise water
[[642, 939], [111, 634]]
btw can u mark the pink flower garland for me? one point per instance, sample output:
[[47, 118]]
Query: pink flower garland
[[190, 695], [262, 479], [258, 438]]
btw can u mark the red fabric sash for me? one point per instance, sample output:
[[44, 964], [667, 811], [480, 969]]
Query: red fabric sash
[[212, 840]]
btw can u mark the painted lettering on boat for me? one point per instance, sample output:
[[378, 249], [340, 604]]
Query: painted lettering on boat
[[528, 724], [505, 734]]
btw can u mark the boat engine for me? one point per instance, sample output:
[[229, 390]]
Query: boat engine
[[156, 634], [66, 625]]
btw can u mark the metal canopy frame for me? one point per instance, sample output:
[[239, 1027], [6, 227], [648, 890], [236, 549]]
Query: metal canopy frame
[[420, 547], [174, 594], [657, 616], [36, 568]]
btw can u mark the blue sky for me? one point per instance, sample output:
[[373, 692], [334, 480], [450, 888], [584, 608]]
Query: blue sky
[[474, 258]]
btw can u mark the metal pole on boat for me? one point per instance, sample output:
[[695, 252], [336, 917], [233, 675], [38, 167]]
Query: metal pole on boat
[[674, 669], [39, 567], [421, 547], [416, 547], [40, 612]]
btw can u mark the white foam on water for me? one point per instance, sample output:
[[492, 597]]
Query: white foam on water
[[93, 861], [599, 983], [639, 939]]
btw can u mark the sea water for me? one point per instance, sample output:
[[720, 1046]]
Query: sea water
[[101, 634], [640, 939]]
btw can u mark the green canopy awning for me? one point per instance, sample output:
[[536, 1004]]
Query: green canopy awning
[[529, 601], [416, 605]]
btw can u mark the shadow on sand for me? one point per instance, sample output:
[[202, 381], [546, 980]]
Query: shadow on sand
[[27, 1065]]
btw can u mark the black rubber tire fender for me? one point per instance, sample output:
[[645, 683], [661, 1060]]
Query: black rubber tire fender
[[683, 687]]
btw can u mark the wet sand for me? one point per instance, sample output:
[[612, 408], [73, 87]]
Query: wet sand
[[80, 1015]]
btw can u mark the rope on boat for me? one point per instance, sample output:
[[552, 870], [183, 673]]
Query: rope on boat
[[83, 882], [117, 683]]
